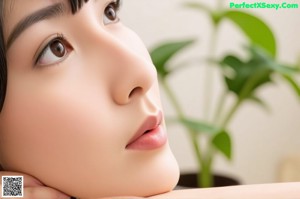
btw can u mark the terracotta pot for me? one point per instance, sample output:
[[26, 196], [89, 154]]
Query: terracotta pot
[[190, 180]]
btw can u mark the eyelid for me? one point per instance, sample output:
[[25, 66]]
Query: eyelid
[[117, 5], [44, 45]]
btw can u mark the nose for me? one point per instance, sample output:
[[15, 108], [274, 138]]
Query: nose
[[134, 78], [132, 72]]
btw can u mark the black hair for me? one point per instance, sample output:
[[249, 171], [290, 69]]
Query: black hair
[[75, 6], [3, 67]]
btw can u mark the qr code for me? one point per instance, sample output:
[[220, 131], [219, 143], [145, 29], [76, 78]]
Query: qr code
[[12, 186]]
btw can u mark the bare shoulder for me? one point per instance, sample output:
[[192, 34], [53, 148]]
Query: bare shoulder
[[258, 191]]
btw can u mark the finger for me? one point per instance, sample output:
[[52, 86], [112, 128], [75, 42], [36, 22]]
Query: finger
[[44, 193], [29, 181]]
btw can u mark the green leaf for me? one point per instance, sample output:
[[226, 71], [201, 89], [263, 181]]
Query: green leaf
[[199, 126], [257, 31], [164, 52], [246, 77], [293, 84], [261, 55], [197, 6], [222, 142], [215, 16], [260, 102], [243, 78]]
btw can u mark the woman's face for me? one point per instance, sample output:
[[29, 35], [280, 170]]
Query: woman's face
[[82, 111]]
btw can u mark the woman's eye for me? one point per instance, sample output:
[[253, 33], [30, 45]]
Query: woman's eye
[[111, 13], [55, 51]]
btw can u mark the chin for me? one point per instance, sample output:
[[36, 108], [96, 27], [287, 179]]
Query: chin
[[146, 173], [169, 179], [162, 178], [153, 175]]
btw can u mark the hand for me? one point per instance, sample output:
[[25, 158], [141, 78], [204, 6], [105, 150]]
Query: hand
[[34, 189]]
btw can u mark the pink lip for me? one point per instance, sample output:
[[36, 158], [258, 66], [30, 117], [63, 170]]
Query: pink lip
[[150, 135]]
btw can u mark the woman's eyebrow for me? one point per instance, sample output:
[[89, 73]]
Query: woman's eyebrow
[[39, 15]]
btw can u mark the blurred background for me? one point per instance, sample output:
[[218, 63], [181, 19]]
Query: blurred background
[[265, 142]]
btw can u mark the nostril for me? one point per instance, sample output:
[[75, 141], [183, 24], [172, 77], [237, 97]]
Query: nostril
[[135, 91]]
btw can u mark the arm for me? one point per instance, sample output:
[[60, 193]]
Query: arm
[[259, 191]]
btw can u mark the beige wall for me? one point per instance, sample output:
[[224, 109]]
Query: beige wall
[[261, 138]]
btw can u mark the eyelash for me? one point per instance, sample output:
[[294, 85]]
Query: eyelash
[[58, 37], [115, 4]]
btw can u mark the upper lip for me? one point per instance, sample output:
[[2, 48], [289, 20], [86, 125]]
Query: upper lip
[[151, 122]]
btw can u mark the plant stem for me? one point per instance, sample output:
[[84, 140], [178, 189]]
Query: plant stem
[[192, 134], [245, 92], [231, 113], [204, 163], [172, 98], [209, 76], [220, 107], [207, 179], [201, 179]]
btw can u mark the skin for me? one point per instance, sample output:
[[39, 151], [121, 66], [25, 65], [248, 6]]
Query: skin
[[67, 124], [258, 191], [34, 189]]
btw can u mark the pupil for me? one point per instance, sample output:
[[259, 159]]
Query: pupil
[[110, 13], [57, 49]]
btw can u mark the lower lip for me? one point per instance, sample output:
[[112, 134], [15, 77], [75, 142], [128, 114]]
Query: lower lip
[[153, 139]]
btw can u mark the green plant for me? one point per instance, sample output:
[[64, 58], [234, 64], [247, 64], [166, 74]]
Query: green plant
[[242, 79]]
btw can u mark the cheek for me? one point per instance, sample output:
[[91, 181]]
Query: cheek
[[66, 127], [41, 128]]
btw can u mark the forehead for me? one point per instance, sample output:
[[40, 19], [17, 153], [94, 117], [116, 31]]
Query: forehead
[[15, 10]]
